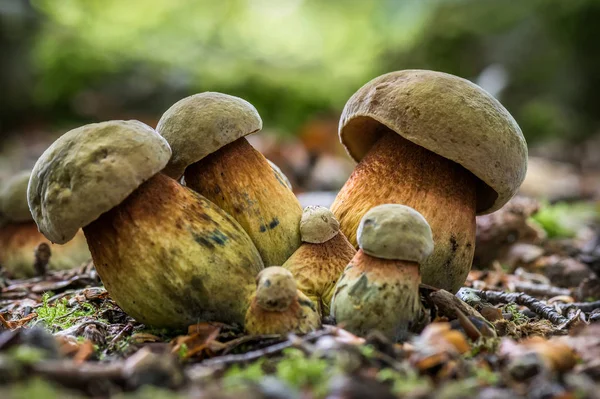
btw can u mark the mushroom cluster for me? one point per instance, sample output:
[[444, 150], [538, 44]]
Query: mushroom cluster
[[379, 289], [182, 220], [439, 144], [167, 255], [19, 235], [207, 133]]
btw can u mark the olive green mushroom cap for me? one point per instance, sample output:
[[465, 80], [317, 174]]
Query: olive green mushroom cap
[[13, 199], [393, 231], [88, 171], [447, 115], [276, 288], [318, 225], [199, 125]]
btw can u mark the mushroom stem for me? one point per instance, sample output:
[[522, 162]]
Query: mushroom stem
[[171, 258], [240, 180], [18, 242], [367, 289], [317, 267], [441, 190]]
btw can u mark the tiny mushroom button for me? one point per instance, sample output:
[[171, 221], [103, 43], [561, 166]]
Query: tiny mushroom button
[[207, 134], [279, 307], [437, 143], [321, 258]]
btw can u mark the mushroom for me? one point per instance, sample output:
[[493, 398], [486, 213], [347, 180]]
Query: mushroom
[[279, 174], [166, 255], [379, 289], [19, 235], [321, 258], [437, 143], [278, 306], [207, 132]]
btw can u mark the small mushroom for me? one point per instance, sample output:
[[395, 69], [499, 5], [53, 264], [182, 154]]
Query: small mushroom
[[166, 255], [321, 258], [379, 289], [437, 143], [207, 134], [279, 307], [19, 235]]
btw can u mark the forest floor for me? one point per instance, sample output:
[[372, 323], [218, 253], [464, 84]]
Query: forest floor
[[525, 325]]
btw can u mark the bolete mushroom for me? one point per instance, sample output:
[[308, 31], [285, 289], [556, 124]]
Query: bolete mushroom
[[19, 235], [437, 143], [167, 255], [207, 132], [379, 288], [279, 307], [322, 257]]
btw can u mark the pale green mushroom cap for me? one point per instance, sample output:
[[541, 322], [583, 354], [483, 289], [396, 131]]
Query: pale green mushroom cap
[[447, 115], [90, 170], [318, 225], [13, 199], [393, 231], [199, 125]]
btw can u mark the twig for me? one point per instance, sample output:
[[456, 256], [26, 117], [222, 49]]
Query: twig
[[120, 335], [538, 290], [585, 307], [270, 350], [449, 305], [535, 305], [234, 343]]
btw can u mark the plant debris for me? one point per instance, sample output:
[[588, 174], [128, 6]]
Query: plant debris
[[525, 325]]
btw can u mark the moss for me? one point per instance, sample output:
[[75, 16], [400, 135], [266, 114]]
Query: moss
[[563, 220], [59, 316], [403, 383], [301, 372], [517, 317], [485, 345]]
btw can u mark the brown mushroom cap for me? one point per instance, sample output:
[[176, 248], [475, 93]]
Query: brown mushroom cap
[[318, 225], [447, 115], [88, 171], [13, 199], [392, 231], [199, 125]]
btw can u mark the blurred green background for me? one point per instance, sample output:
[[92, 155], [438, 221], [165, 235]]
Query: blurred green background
[[70, 62]]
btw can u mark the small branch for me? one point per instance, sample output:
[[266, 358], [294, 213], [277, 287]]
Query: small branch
[[585, 307], [231, 345], [540, 290], [535, 305], [268, 351]]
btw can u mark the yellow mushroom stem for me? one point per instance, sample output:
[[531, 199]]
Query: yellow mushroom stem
[[398, 171], [171, 258], [378, 294], [240, 180], [18, 242], [317, 268]]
